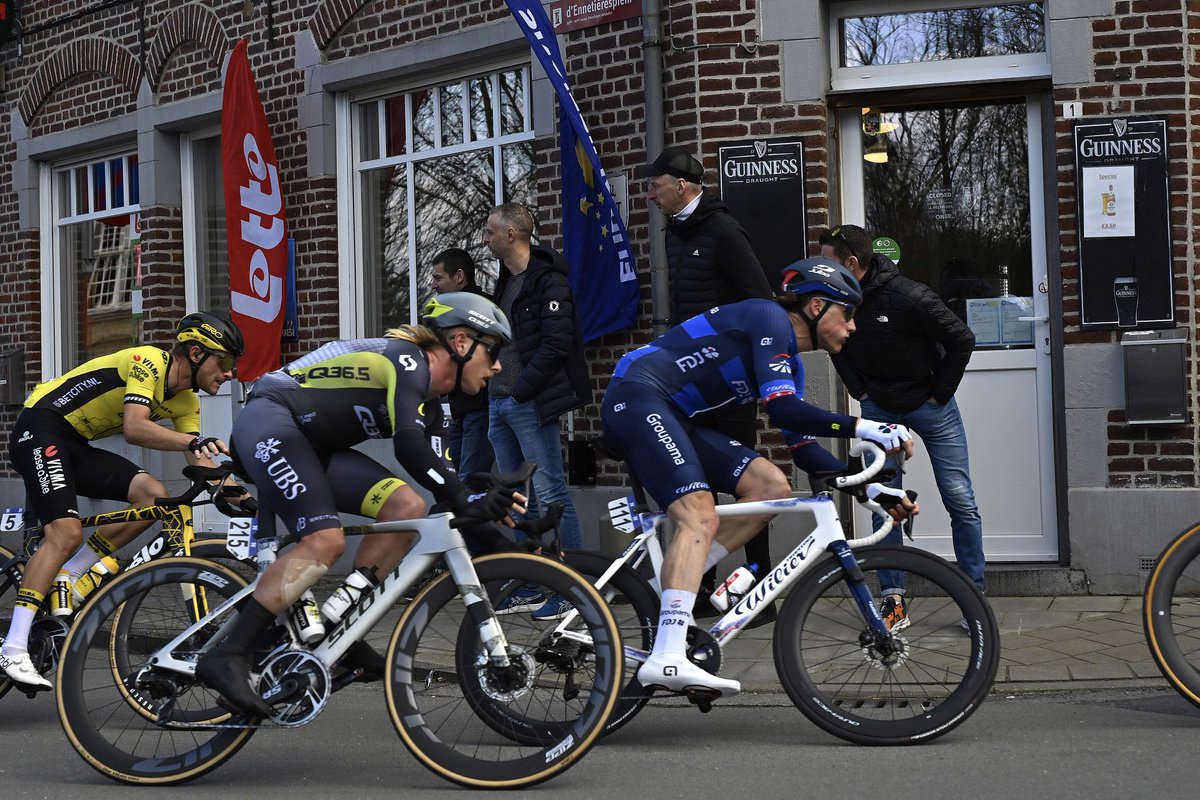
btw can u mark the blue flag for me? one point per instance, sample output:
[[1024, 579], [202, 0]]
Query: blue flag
[[603, 276]]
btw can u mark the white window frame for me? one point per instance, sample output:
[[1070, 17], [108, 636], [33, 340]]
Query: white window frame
[[351, 286], [53, 213], [1018, 66]]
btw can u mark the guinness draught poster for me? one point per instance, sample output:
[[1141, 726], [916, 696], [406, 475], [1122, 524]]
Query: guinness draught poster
[[1122, 211], [762, 182]]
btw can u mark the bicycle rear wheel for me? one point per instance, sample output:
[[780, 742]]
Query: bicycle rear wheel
[[490, 727], [1171, 613], [920, 684], [11, 569], [130, 721], [635, 607]]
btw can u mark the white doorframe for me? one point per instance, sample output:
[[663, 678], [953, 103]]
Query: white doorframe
[[1027, 482]]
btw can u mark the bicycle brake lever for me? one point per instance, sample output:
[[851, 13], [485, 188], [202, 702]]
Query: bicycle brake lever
[[907, 527]]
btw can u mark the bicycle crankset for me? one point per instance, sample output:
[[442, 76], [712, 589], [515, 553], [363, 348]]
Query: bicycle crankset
[[297, 684], [703, 650]]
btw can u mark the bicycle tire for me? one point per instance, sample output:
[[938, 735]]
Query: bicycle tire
[[446, 706], [841, 681], [635, 606], [11, 570], [125, 620], [114, 735], [1171, 613]]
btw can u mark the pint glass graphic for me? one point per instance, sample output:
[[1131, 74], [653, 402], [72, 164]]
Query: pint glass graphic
[[1125, 293]]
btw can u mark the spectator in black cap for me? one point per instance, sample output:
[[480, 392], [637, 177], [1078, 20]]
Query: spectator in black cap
[[710, 263]]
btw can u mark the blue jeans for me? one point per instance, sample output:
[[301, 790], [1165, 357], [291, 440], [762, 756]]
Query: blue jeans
[[473, 451], [945, 440], [517, 435]]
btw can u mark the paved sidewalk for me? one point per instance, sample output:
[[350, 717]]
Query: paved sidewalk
[[1046, 643]]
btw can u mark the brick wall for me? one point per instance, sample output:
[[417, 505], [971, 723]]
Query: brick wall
[[1140, 68]]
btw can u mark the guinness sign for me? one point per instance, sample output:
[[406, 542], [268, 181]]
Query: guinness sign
[[1122, 208], [762, 182]]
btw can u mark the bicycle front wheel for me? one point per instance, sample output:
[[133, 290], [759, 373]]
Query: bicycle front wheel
[[11, 570], [919, 684], [131, 721], [1171, 613], [486, 726]]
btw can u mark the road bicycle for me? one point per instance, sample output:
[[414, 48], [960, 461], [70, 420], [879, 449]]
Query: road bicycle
[[836, 657], [176, 536], [1171, 613], [483, 700]]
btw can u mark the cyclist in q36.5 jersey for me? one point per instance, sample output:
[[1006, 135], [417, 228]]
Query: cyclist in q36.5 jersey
[[738, 353], [125, 393], [294, 439]]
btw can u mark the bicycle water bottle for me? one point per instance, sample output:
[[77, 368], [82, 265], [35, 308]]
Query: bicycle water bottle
[[734, 587], [90, 580], [346, 596], [60, 595], [305, 617]]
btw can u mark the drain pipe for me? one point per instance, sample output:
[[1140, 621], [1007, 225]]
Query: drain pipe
[[652, 70]]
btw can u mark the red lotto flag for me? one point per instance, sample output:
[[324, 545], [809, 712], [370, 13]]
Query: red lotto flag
[[254, 219]]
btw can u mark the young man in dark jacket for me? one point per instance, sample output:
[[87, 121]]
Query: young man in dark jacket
[[543, 374], [710, 263], [903, 365]]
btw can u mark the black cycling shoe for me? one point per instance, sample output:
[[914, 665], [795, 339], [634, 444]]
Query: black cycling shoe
[[229, 675], [361, 655]]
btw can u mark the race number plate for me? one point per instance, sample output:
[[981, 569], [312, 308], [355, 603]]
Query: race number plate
[[239, 538]]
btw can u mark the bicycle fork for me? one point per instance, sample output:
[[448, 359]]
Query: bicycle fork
[[859, 589], [479, 610]]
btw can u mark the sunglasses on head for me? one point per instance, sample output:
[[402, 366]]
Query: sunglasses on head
[[493, 348]]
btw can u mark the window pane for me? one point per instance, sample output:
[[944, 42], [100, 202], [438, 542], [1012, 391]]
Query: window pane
[[393, 113], [482, 103], [422, 112], [212, 249], [452, 114], [954, 194], [98, 267], [116, 183], [941, 35], [512, 101], [80, 204], [368, 131], [134, 196], [454, 194], [385, 249]]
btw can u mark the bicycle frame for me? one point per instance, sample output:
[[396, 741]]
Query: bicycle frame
[[827, 537], [435, 538]]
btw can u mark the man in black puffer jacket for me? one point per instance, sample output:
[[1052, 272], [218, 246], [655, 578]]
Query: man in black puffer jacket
[[543, 374], [710, 263], [903, 364]]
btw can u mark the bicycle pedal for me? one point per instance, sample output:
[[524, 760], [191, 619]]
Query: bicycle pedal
[[702, 698]]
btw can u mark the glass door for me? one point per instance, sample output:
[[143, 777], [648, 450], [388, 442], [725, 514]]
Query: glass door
[[953, 194]]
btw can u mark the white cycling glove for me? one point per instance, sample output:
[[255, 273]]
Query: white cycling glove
[[891, 497], [887, 435]]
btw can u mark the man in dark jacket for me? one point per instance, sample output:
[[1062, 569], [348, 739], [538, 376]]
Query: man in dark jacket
[[903, 365], [543, 374], [710, 263]]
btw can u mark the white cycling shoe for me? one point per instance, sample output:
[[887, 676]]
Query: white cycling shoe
[[22, 672], [675, 672]]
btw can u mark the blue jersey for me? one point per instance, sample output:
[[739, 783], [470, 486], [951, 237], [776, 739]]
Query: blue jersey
[[738, 354]]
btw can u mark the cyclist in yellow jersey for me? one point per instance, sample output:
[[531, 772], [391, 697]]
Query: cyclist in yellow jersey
[[124, 393], [295, 440]]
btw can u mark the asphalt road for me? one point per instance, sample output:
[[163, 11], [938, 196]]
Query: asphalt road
[[1090, 745]]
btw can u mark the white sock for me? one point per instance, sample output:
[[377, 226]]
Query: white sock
[[715, 554], [674, 617], [81, 562], [16, 641]]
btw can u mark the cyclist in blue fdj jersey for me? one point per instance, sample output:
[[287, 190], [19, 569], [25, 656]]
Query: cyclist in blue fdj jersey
[[738, 353]]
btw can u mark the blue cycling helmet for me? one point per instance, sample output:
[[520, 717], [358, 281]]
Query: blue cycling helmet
[[823, 277]]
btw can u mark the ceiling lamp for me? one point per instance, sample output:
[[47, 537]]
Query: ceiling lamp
[[877, 153]]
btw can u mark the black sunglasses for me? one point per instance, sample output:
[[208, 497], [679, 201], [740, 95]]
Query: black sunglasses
[[493, 348]]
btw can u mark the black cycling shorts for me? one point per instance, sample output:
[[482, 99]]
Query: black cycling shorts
[[667, 452], [58, 464], [301, 483]]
